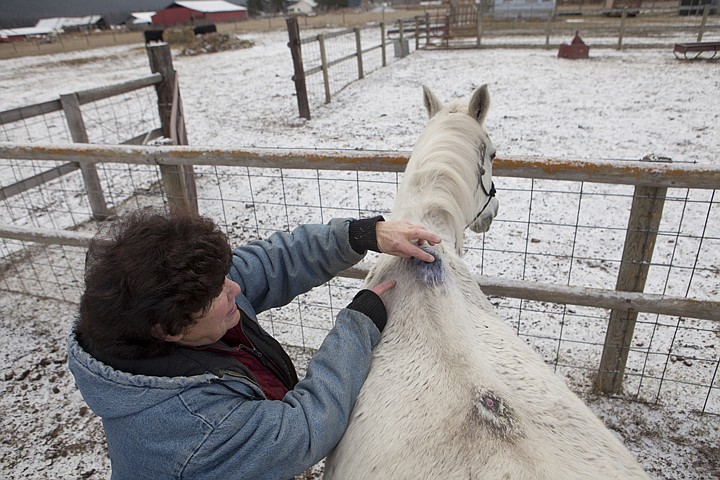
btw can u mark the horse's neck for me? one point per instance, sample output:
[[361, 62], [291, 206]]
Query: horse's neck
[[439, 220], [438, 188]]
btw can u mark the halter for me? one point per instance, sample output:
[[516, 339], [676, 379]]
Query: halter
[[490, 196], [481, 184]]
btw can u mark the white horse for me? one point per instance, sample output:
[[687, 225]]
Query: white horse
[[452, 392]]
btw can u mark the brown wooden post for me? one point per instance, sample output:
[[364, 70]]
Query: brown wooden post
[[174, 177], [179, 137], [324, 66], [643, 224], [417, 32], [358, 50], [427, 29], [479, 24], [703, 22], [622, 28], [73, 116], [446, 30], [299, 76], [547, 32], [383, 45]]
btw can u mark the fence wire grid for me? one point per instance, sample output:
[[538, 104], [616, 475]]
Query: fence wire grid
[[63, 202], [505, 24], [559, 238]]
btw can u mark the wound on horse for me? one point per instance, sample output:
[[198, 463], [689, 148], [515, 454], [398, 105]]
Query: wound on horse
[[429, 273], [494, 413]]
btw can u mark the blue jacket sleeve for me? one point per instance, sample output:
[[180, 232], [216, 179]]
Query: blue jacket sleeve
[[264, 439], [274, 271]]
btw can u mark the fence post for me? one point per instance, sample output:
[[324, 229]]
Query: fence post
[[643, 224], [417, 32], [174, 177], [622, 28], [73, 117], [547, 32], [358, 50], [478, 6], [427, 29], [299, 76], [401, 27], [383, 44], [324, 66], [446, 30], [701, 31], [179, 137]]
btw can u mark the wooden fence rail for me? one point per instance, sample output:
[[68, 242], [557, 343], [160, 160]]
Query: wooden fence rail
[[660, 174]]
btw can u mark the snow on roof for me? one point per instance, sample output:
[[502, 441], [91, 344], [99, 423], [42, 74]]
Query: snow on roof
[[142, 17], [58, 23], [24, 31], [211, 6]]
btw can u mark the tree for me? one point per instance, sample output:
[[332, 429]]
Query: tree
[[256, 7], [332, 4]]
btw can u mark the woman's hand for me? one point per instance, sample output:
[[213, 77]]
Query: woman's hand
[[400, 238], [383, 287]]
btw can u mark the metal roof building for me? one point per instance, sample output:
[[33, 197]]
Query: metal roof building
[[199, 12], [67, 24]]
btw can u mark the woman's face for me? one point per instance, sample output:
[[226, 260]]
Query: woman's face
[[222, 315]]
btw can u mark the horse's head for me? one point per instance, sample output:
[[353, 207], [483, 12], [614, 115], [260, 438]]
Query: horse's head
[[484, 205]]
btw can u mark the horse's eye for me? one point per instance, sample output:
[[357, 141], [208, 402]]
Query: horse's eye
[[492, 156]]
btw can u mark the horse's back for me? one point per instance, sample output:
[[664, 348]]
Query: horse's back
[[478, 403]]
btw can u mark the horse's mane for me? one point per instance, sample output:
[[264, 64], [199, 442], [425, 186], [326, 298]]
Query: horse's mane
[[441, 178]]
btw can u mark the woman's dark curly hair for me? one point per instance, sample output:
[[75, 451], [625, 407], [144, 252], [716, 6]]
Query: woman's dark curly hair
[[149, 268]]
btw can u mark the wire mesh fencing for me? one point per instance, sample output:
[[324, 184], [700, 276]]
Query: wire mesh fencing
[[50, 194], [552, 232], [573, 233], [618, 24]]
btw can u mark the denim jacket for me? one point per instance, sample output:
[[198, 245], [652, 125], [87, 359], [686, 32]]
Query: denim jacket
[[221, 426]]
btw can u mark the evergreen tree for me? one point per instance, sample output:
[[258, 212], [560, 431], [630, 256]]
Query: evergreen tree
[[256, 7]]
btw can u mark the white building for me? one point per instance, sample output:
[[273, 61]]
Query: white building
[[72, 24], [521, 8], [302, 7], [139, 20]]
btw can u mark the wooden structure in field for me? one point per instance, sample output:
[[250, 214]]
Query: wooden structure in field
[[697, 50], [577, 49]]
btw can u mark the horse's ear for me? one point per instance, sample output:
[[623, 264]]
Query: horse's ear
[[479, 104], [432, 104]]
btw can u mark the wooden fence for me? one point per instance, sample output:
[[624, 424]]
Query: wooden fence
[[479, 26], [365, 42], [655, 26], [165, 80], [650, 179]]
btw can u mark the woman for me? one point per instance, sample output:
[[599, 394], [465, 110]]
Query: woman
[[168, 351]]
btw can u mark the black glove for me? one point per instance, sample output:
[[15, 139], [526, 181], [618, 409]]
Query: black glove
[[370, 303], [362, 234]]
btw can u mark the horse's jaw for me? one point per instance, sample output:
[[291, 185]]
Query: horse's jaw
[[482, 223]]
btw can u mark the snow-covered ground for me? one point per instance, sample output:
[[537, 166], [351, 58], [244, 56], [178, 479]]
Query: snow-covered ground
[[616, 105]]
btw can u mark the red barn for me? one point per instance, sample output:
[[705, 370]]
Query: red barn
[[199, 12]]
